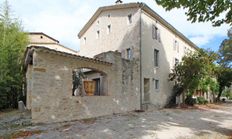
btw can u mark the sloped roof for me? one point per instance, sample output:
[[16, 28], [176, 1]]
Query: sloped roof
[[41, 33], [145, 8], [31, 49]]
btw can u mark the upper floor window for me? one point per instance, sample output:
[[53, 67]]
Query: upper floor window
[[108, 15], [156, 84], [84, 40], [155, 33], [156, 57], [176, 46], [98, 34], [108, 29], [129, 19], [176, 61], [129, 53]]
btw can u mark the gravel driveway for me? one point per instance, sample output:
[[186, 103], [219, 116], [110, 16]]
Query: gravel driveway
[[200, 123]]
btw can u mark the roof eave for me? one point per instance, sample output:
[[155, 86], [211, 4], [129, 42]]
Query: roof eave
[[98, 12]]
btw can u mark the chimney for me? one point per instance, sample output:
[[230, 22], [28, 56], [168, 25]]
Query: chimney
[[118, 2]]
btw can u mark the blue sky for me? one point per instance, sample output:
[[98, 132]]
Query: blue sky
[[63, 19]]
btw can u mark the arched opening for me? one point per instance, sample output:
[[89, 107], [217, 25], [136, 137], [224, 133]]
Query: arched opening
[[89, 82]]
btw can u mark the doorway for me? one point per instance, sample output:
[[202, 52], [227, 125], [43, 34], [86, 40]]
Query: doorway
[[146, 90]]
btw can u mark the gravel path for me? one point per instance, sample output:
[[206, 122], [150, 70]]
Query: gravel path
[[161, 124]]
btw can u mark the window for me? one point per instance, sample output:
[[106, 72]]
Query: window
[[185, 50], [98, 22], [108, 29], [176, 61], [176, 46], [154, 32], [156, 84], [98, 34], [129, 18], [129, 53], [41, 37], [108, 15], [84, 40], [156, 58]]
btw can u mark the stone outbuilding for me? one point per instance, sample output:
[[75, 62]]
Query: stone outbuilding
[[49, 76]]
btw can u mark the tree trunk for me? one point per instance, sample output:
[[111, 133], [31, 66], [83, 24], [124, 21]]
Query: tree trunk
[[219, 94]]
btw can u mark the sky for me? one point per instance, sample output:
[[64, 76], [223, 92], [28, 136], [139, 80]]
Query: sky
[[63, 19]]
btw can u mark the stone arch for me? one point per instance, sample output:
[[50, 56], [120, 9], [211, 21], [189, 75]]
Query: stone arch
[[89, 78]]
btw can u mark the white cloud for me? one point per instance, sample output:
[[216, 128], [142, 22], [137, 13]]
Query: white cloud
[[64, 19]]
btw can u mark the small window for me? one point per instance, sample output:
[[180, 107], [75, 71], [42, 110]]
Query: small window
[[41, 37], [108, 29], [84, 40], [129, 53], [176, 61], [176, 46], [154, 32], [156, 58], [156, 84], [108, 15], [98, 34], [185, 50], [129, 18], [98, 22]]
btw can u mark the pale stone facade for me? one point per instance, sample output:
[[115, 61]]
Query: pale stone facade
[[41, 39], [49, 87], [138, 35], [132, 45]]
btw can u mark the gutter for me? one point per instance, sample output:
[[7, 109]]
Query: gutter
[[141, 82]]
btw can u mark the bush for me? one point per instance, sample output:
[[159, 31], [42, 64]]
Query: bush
[[201, 100], [190, 101]]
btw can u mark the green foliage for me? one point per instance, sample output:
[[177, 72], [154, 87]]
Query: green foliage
[[196, 71], [202, 10], [225, 51], [227, 92], [201, 100], [13, 42], [190, 101]]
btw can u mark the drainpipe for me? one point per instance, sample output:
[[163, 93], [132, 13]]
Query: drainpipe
[[141, 82]]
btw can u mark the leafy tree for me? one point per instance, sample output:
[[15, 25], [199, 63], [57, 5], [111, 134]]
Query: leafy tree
[[224, 78], [190, 74], [224, 71], [202, 10], [225, 51], [13, 42]]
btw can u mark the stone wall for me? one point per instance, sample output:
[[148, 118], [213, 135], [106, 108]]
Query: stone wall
[[51, 88]]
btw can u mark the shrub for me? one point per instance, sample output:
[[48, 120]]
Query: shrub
[[201, 100], [190, 101]]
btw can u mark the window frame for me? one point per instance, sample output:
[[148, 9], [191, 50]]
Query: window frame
[[156, 57], [156, 84], [129, 19], [129, 53]]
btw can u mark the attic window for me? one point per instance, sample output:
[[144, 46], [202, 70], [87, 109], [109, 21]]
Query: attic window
[[41, 37], [98, 34], [108, 15], [108, 29], [84, 40], [129, 17]]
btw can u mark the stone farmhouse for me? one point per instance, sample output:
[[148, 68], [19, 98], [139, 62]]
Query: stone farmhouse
[[126, 51]]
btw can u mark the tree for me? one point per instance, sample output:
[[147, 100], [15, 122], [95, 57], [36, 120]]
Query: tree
[[190, 74], [224, 71], [225, 51], [202, 10], [224, 77], [13, 42]]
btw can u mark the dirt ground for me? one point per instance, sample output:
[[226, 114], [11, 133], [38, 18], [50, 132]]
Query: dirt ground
[[201, 122]]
